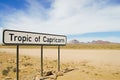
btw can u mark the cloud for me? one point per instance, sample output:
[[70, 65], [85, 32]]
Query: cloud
[[1, 35], [78, 17], [65, 17]]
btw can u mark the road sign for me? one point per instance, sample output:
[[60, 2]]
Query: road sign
[[14, 37]]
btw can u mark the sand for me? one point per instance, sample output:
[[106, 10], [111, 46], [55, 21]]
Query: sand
[[87, 64], [67, 55]]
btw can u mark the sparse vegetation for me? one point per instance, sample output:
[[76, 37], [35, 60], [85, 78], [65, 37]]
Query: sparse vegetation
[[5, 72], [75, 46], [14, 70], [92, 46], [27, 64], [9, 68]]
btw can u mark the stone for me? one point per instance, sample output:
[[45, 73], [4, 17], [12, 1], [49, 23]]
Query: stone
[[67, 70], [48, 73], [59, 74]]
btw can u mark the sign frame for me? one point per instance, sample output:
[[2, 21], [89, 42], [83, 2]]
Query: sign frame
[[33, 43]]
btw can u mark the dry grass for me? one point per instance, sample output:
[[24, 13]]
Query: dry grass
[[92, 46], [74, 46], [29, 66]]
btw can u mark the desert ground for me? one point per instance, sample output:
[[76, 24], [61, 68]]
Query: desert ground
[[76, 64]]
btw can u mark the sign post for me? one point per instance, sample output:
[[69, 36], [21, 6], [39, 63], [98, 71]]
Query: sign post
[[13, 37], [17, 63], [42, 60], [58, 58]]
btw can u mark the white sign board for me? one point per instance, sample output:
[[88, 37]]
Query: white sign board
[[31, 38]]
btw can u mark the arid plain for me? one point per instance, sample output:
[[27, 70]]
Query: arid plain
[[76, 64]]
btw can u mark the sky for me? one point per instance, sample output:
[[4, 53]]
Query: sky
[[85, 20]]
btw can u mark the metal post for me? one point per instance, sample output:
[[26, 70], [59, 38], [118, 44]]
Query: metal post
[[17, 62], [58, 58], [42, 60]]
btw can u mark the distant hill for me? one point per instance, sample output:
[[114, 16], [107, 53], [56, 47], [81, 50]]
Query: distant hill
[[75, 41], [100, 42]]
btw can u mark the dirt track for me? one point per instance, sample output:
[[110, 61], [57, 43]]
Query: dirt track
[[68, 55]]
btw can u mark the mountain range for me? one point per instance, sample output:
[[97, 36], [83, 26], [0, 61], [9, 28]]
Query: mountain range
[[96, 37], [75, 41]]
